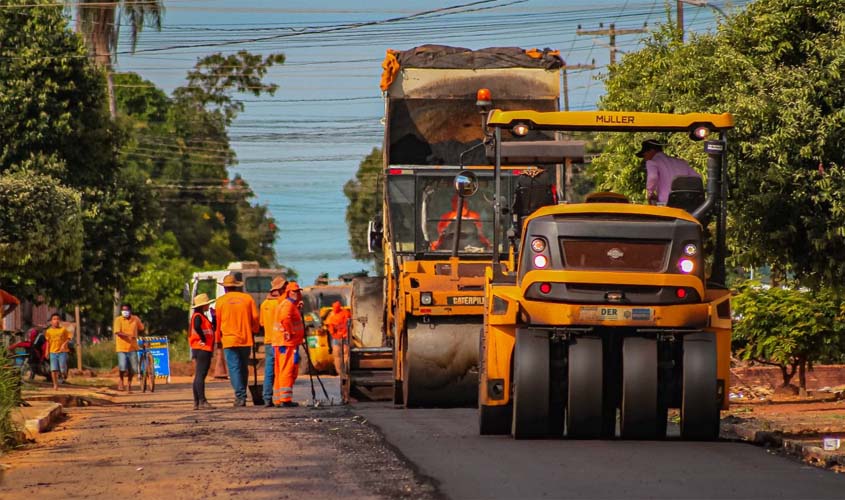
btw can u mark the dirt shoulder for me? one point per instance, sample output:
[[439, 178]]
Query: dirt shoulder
[[798, 425], [156, 446]]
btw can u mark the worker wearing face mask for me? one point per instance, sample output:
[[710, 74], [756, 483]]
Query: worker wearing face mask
[[126, 328]]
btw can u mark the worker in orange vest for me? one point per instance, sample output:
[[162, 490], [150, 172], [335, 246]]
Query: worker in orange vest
[[291, 333], [338, 324], [201, 340], [237, 322], [266, 321]]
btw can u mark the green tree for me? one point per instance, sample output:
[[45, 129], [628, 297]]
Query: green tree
[[53, 123], [40, 226], [99, 24], [155, 291], [788, 328], [365, 203], [182, 145], [777, 67]]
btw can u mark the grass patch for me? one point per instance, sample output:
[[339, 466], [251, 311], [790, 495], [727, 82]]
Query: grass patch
[[100, 356], [180, 351], [10, 398]]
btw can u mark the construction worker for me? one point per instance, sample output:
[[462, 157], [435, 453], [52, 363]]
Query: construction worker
[[237, 322], [661, 170], [218, 360], [447, 220], [266, 321], [290, 335], [126, 328], [201, 340], [338, 324]]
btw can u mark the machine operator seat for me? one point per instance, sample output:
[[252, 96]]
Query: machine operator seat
[[687, 193]]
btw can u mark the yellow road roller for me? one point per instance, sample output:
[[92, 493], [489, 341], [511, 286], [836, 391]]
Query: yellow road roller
[[611, 315]]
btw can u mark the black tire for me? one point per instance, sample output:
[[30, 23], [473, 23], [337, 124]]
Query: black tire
[[149, 373], [639, 412], [530, 384], [495, 420], [700, 403], [584, 408]]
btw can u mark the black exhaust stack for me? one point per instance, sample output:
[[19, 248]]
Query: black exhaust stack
[[716, 204]]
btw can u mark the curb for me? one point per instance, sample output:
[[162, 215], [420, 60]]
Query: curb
[[775, 439], [45, 420]]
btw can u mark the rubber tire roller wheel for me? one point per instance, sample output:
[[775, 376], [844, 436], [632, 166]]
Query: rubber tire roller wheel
[[585, 397], [530, 384], [640, 413], [700, 404]]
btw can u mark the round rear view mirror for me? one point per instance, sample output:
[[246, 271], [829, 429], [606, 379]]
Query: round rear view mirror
[[466, 184]]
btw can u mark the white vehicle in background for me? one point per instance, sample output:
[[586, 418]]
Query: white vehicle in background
[[256, 281]]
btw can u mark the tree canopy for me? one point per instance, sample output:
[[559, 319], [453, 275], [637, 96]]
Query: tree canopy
[[365, 203], [58, 151], [777, 67]]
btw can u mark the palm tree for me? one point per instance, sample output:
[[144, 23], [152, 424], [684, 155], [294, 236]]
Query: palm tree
[[99, 24]]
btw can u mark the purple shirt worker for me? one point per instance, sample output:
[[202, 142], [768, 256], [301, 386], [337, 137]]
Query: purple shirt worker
[[662, 170]]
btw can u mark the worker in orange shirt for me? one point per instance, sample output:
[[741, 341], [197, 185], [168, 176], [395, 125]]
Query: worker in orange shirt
[[266, 321], [291, 333], [338, 324], [448, 219], [126, 328], [237, 322]]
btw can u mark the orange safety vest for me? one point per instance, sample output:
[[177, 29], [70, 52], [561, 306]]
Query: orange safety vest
[[293, 330], [338, 322], [207, 333]]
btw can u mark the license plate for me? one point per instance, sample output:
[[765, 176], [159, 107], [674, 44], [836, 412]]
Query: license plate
[[465, 300], [616, 313]]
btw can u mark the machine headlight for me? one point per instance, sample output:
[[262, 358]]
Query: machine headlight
[[540, 261], [690, 249], [686, 265], [426, 299], [538, 245]]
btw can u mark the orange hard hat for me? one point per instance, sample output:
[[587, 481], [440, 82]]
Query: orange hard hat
[[293, 286]]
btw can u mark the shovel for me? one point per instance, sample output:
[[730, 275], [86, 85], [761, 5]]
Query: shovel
[[256, 390]]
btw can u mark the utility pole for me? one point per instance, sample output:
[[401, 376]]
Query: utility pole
[[566, 80], [611, 32], [78, 339], [680, 4]]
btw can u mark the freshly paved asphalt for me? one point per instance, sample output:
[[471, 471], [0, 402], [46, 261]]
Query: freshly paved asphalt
[[445, 445]]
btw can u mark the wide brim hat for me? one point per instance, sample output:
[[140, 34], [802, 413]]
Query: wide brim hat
[[231, 280], [649, 145], [201, 300], [278, 283]]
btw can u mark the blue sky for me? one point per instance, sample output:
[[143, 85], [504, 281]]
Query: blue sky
[[298, 148]]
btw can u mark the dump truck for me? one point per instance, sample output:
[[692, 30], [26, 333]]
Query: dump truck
[[606, 306], [422, 342]]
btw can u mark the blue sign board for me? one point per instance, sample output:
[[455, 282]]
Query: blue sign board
[[160, 349]]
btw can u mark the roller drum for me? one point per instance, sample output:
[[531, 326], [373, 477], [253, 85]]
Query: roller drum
[[441, 363]]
